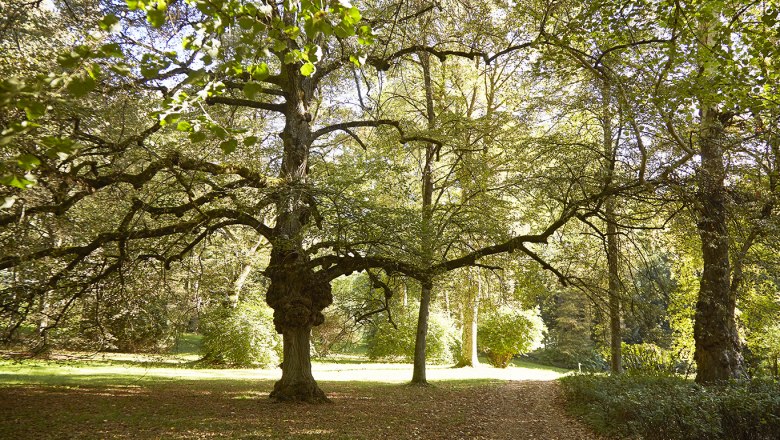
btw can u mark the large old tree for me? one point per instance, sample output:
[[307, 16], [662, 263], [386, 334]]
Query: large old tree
[[245, 116]]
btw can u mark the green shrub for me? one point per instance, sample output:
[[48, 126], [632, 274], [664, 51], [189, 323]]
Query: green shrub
[[650, 359], [750, 410], [508, 332], [386, 343], [243, 336], [667, 408], [586, 358]]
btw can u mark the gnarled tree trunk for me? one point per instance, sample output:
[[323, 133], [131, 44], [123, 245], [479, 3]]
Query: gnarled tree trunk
[[296, 293]]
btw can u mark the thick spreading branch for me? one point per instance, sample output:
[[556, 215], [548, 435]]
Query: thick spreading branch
[[240, 102]]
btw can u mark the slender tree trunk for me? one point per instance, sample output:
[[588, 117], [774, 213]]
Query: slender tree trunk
[[469, 356], [246, 269], [418, 376], [42, 347], [418, 371], [613, 288], [717, 352], [615, 338]]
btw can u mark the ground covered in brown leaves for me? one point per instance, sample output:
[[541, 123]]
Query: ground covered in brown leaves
[[487, 409]]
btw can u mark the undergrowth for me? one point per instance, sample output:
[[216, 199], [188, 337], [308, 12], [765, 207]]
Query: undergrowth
[[661, 407]]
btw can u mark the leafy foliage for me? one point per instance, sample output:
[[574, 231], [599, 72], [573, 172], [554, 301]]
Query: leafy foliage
[[670, 408], [651, 359], [241, 336], [388, 343], [508, 332]]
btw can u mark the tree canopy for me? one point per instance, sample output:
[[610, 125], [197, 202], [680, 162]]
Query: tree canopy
[[407, 139]]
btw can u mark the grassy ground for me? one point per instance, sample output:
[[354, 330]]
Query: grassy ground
[[150, 397]]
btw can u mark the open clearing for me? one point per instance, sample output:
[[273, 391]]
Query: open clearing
[[113, 399]]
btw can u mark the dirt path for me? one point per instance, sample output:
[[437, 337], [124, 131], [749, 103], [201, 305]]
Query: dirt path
[[534, 410], [241, 410]]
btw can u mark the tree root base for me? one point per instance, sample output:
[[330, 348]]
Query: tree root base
[[298, 392]]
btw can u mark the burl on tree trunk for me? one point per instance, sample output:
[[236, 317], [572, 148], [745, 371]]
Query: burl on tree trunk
[[298, 297]]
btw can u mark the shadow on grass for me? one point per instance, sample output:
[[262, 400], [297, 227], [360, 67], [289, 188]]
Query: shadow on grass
[[115, 407]]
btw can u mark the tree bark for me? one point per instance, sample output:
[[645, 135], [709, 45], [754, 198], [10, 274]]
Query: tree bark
[[717, 349], [469, 356], [246, 269], [613, 288], [418, 375], [297, 383], [418, 371], [616, 366], [296, 293]]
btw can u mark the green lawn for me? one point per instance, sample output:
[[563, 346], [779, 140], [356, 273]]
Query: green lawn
[[139, 396]]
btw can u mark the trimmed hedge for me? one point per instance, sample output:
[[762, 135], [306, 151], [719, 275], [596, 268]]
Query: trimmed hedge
[[667, 408]]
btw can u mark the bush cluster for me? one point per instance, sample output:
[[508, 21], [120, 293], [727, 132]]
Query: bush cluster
[[509, 332], [586, 358], [387, 343], [243, 336], [652, 359], [668, 408]]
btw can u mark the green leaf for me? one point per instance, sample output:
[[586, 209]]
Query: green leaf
[[184, 126], [110, 23], [292, 32], [135, 4], [344, 30], [34, 109], [169, 118], [292, 57], [314, 52], [308, 69], [15, 181], [218, 131], [197, 136], [156, 17], [259, 72], [28, 162], [68, 60], [121, 69], [94, 71], [228, 146], [81, 85], [111, 50], [352, 16], [279, 46], [250, 140], [358, 60], [252, 89], [59, 148], [245, 22]]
